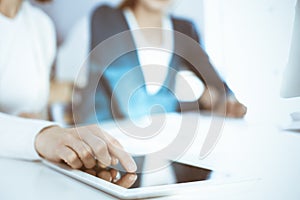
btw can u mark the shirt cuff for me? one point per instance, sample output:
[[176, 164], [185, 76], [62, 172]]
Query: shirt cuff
[[17, 136]]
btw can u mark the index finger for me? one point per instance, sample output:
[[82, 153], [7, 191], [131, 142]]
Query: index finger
[[125, 158], [115, 149]]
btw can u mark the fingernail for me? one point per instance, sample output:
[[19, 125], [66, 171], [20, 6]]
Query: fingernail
[[114, 161], [132, 167], [132, 177]]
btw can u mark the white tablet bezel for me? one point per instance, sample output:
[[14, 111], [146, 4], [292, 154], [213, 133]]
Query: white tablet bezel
[[144, 192]]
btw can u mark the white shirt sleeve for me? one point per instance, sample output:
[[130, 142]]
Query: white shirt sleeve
[[17, 136]]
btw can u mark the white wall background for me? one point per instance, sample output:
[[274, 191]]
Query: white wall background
[[249, 40], [65, 13]]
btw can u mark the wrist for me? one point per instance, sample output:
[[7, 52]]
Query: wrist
[[39, 138]]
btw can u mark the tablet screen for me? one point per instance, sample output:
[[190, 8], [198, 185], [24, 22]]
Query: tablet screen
[[173, 173]]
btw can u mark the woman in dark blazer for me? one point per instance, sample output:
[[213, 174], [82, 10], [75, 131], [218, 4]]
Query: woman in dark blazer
[[121, 90]]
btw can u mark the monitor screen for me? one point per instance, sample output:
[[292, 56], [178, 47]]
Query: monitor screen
[[291, 80]]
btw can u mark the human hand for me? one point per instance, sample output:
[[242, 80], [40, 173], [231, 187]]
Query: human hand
[[82, 146], [31, 115], [209, 98], [233, 108], [112, 175]]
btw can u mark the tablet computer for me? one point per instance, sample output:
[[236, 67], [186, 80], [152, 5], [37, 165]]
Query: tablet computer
[[171, 179]]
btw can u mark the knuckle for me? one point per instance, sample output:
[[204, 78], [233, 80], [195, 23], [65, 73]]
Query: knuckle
[[114, 142], [77, 166], [68, 137], [93, 126], [101, 148], [72, 158], [81, 131], [86, 154], [90, 164]]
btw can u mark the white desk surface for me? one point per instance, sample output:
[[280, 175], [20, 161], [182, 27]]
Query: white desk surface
[[255, 150]]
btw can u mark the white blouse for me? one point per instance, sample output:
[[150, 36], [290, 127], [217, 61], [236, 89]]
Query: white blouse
[[27, 51], [155, 61], [154, 57]]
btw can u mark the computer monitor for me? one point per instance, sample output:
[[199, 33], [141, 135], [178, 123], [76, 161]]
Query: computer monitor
[[291, 79]]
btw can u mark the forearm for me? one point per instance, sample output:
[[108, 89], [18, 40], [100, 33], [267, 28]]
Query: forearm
[[17, 136]]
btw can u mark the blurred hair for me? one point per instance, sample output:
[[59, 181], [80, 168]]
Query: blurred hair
[[127, 3]]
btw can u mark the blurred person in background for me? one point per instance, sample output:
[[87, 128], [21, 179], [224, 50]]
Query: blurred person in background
[[131, 15], [27, 52]]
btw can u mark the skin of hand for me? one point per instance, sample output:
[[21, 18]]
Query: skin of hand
[[111, 175], [234, 108], [31, 115], [82, 146], [209, 98], [125, 181]]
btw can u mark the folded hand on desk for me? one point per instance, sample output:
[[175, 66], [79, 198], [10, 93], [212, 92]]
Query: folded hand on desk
[[31, 115], [233, 108], [82, 146]]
